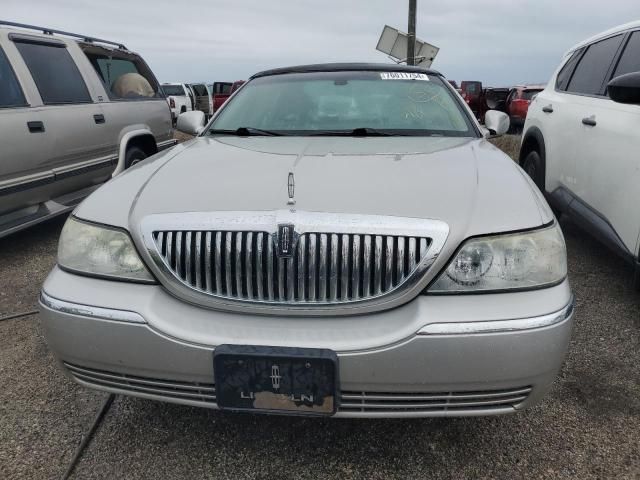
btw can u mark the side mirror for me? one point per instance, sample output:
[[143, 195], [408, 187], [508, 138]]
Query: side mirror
[[497, 122], [625, 88], [191, 123]]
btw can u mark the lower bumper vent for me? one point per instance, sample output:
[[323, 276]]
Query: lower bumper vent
[[204, 394], [169, 389], [369, 402]]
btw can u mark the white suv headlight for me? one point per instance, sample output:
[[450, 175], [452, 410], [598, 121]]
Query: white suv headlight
[[521, 261], [100, 251]]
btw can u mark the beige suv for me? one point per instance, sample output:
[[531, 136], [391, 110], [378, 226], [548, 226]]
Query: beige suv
[[74, 111]]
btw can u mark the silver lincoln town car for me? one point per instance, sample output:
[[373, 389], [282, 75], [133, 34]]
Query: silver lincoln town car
[[338, 240]]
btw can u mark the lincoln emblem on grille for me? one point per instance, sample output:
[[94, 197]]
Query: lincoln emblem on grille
[[285, 240], [275, 377]]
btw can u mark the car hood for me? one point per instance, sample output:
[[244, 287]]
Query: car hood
[[466, 182]]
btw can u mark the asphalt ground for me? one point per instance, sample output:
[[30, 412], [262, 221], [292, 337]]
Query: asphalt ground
[[588, 426]]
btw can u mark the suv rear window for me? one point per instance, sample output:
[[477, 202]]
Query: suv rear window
[[565, 73], [593, 67], [54, 72], [200, 90], [124, 75], [529, 94], [10, 92], [222, 88], [630, 59], [472, 87], [174, 90]]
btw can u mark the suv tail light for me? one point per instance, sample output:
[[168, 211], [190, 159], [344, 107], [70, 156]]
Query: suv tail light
[[172, 103]]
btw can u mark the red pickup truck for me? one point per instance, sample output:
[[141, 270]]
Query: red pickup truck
[[472, 94], [221, 91], [518, 103]]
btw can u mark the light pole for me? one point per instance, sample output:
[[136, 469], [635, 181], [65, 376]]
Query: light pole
[[411, 37]]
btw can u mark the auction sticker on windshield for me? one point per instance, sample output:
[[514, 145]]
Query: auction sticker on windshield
[[404, 76]]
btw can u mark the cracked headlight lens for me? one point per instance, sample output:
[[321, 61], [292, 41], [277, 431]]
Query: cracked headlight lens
[[100, 251], [526, 260]]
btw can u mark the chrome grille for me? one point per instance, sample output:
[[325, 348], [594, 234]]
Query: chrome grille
[[371, 402], [324, 267]]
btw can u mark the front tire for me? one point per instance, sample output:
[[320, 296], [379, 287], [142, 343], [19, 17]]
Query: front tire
[[534, 166], [134, 155]]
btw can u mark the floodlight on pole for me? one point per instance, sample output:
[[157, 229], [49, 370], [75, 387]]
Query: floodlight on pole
[[394, 43]]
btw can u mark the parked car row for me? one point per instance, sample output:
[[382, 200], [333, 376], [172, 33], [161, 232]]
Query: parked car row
[[512, 100], [207, 98]]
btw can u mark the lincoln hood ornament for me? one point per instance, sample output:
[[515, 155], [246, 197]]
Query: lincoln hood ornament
[[291, 187]]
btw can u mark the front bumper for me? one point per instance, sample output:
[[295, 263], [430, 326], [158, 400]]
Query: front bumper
[[435, 356]]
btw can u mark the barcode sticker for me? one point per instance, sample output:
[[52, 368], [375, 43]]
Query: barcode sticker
[[404, 76]]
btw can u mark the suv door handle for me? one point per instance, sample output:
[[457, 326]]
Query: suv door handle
[[590, 121], [98, 118], [548, 109], [35, 127]]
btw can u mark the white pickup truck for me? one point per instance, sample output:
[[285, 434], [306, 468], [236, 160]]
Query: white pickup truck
[[179, 97]]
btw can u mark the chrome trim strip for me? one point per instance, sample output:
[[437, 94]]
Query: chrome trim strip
[[207, 263], [237, 258], [400, 260], [27, 182], [166, 144], [355, 270], [373, 228], [344, 270], [90, 311], [498, 326], [218, 262], [366, 272], [312, 273], [322, 269], [179, 253], [302, 267], [248, 262], [259, 271], [377, 267]]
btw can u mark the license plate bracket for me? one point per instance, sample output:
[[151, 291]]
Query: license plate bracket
[[284, 380]]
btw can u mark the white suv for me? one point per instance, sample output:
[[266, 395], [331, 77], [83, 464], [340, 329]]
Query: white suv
[[582, 137]]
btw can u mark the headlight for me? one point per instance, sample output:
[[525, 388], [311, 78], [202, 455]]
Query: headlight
[[100, 251], [506, 262]]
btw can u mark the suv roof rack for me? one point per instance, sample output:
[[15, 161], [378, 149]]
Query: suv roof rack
[[51, 31]]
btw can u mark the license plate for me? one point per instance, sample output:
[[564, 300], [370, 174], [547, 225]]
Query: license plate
[[276, 379]]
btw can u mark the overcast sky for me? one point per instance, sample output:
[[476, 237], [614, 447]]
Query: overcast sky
[[501, 42]]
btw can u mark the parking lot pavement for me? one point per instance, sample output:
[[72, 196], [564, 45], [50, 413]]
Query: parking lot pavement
[[587, 427]]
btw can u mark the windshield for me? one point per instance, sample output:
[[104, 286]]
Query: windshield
[[175, 90], [398, 103]]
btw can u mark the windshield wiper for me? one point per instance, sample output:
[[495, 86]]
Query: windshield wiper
[[356, 132], [247, 132]]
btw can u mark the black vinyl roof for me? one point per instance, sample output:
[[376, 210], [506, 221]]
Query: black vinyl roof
[[345, 67]]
